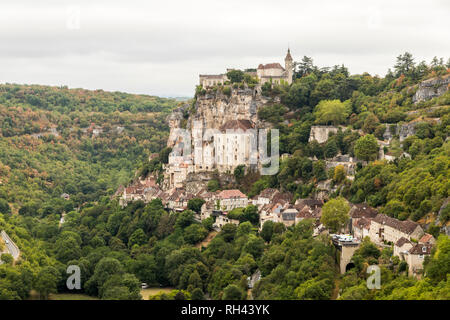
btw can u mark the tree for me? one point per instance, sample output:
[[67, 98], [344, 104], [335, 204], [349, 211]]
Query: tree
[[404, 64], [4, 206], [195, 233], [250, 214], [185, 219], [267, 230], [235, 75], [304, 67], [228, 232], [197, 294], [213, 185], [366, 148], [332, 112], [335, 214], [6, 258], [196, 204], [233, 292], [239, 172], [339, 174], [46, 281], [138, 237]]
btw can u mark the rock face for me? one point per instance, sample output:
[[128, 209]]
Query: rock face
[[232, 117], [214, 110], [321, 133], [432, 88], [174, 120], [404, 130]]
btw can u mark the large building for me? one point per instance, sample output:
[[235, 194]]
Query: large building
[[270, 72], [233, 144]]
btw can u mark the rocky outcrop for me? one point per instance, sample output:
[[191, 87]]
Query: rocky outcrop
[[321, 133], [432, 88], [404, 130], [196, 181], [215, 109], [174, 120]]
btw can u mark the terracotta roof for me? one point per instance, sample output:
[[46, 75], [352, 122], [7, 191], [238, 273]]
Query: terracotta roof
[[243, 124], [270, 66], [400, 242], [421, 248], [234, 193], [407, 227], [361, 210], [426, 238]]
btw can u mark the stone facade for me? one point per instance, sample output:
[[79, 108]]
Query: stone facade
[[271, 72], [220, 134], [231, 199], [384, 228], [321, 133]]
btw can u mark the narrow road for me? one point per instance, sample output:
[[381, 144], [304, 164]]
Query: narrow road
[[10, 245]]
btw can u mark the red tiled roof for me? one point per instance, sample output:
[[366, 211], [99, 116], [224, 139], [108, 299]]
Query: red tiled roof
[[426, 238], [270, 66], [234, 193]]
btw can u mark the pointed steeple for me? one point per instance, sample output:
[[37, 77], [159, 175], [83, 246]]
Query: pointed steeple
[[288, 55]]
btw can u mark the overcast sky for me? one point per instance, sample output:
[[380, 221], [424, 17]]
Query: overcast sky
[[160, 47]]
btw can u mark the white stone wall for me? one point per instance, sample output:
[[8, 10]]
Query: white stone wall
[[232, 203]]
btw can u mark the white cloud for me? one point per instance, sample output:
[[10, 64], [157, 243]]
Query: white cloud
[[159, 47]]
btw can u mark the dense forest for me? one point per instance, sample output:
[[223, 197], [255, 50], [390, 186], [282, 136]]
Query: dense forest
[[119, 248]]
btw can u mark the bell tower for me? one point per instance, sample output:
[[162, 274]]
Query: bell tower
[[288, 66]]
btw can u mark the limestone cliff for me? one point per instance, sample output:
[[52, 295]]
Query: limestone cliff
[[432, 88], [215, 109], [220, 108]]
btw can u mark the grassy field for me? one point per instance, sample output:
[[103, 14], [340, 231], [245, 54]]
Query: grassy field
[[154, 290], [71, 296]]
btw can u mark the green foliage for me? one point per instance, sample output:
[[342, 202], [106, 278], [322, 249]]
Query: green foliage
[[195, 204], [366, 148], [213, 185], [332, 112], [335, 214], [235, 76]]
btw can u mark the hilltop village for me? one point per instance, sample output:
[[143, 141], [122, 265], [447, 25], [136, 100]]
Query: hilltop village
[[186, 175]]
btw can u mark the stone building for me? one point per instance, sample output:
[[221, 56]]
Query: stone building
[[384, 228], [275, 73], [415, 257], [222, 219], [361, 228], [211, 80], [231, 199], [270, 72]]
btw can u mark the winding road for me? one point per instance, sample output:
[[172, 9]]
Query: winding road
[[10, 245]]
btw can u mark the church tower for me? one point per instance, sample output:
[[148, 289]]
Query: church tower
[[288, 66]]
